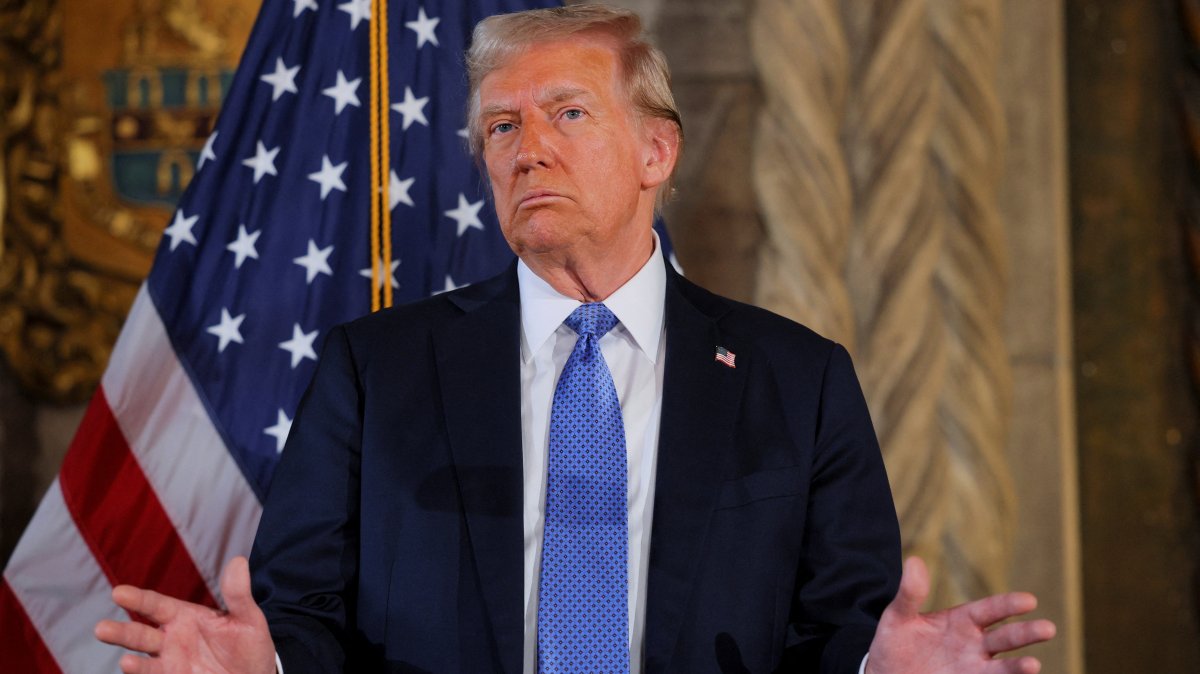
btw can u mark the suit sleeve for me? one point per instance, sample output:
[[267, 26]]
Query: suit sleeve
[[849, 567], [305, 556]]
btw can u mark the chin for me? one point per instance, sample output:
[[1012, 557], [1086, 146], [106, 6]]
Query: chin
[[540, 235], [539, 246]]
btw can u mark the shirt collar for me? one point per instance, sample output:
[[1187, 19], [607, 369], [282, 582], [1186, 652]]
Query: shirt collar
[[638, 305]]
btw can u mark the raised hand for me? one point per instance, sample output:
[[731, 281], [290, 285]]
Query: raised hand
[[956, 640], [192, 638]]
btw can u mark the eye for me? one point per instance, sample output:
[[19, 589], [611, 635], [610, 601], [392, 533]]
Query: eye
[[503, 127], [573, 113]]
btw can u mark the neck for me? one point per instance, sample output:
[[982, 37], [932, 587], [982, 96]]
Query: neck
[[591, 278]]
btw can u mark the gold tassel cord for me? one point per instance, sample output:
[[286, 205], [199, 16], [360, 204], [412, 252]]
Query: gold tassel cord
[[385, 154]]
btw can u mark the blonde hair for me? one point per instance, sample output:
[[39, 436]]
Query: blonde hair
[[645, 76]]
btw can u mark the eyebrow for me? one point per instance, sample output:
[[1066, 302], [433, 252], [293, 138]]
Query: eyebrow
[[547, 95]]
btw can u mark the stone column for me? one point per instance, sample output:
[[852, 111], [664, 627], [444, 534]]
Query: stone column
[[1038, 326], [877, 161]]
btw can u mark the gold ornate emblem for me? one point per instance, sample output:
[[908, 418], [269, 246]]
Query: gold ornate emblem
[[106, 107]]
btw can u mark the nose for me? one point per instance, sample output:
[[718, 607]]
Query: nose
[[536, 149]]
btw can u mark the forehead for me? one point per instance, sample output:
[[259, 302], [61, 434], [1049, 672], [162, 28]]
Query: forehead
[[583, 64]]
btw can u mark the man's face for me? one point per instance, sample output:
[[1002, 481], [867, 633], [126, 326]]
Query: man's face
[[565, 153]]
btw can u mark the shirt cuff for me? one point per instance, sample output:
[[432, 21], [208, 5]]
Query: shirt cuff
[[279, 664], [862, 669]]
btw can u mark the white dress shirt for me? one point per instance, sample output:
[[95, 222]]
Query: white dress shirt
[[634, 351]]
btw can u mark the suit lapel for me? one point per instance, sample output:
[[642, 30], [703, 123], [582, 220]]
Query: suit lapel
[[478, 363], [700, 402]]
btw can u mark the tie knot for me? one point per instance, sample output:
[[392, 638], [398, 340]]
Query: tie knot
[[593, 319]]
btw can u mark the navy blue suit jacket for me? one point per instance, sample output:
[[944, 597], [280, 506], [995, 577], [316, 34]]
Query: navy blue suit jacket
[[392, 541]]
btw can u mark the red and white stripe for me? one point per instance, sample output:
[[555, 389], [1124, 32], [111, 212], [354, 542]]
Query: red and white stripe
[[148, 495]]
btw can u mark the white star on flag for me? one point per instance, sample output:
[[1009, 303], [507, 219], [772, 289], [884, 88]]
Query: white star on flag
[[228, 330], [412, 108], [466, 214], [302, 5], [359, 10], [391, 274], [243, 246], [181, 229], [300, 345], [344, 93], [207, 152], [283, 426], [424, 27], [282, 80], [398, 191], [329, 177], [315, 261], [451, 285], [263, 162]]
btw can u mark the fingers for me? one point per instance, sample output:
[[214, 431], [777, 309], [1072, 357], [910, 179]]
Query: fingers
[[1018, 635], [135, 664], [993, 609], [235, 588], [1024, 665], [914, 588], [133, 636], [157, 607]]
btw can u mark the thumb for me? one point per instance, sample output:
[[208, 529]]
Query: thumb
[[914, 588], [235, 588]]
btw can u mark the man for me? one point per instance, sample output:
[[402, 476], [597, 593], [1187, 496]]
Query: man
[[472, 481]]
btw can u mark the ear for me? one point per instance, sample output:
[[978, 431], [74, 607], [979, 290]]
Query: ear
[[660, 151]]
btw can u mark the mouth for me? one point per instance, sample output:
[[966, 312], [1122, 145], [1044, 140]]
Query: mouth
[[539, 197]]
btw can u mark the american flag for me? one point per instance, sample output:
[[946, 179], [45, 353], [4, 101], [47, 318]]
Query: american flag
[[726, 356], [268, 249]]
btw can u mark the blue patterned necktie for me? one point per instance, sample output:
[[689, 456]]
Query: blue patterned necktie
[[582, 605]]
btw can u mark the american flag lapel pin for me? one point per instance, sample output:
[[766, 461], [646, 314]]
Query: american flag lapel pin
[[726, 357]]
